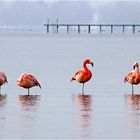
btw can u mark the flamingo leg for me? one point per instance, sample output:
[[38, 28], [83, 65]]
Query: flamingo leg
[[132, 89], [28, 91], [83, 89]]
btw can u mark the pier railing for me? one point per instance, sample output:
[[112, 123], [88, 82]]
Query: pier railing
[[89, 27]]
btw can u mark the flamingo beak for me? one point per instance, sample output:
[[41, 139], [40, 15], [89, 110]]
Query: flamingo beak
[[134, 67], [92, 64]]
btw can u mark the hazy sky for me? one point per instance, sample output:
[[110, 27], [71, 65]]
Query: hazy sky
[[36, 12]]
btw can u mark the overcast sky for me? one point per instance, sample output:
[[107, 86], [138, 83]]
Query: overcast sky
[[36, 12]]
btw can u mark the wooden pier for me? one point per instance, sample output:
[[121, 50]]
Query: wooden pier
[[89, 27]]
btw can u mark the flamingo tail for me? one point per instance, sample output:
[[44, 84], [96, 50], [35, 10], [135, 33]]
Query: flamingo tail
[[125, 80], [38, 84], [72, 79]]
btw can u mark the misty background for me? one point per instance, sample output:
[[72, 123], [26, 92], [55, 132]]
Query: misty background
[[29, 12]]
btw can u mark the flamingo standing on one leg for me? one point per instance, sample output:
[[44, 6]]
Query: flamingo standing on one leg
[[27, 81], [82, 76], [133, 77], [3, 79]]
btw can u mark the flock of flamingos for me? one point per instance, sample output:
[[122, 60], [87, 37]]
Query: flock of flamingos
[[28, 81]]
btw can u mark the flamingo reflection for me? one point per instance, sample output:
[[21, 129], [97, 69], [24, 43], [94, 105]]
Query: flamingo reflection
[[28, 101], [83, 111], [133, 100], [3, 100], [28, 114], [132, 109], [84, 101]]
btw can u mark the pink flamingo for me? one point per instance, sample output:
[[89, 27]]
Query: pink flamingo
[[82, 76], [3, 79], [27, 81], [133, 77]]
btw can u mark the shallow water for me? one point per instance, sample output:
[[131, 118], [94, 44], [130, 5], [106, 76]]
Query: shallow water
[[58, 110]]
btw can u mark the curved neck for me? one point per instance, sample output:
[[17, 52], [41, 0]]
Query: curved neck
[[137, 69], [85, 66]]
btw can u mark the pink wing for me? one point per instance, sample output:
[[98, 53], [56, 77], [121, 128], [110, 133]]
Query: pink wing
[[78, 73], [32, 78], [4, 76], [129, 75]]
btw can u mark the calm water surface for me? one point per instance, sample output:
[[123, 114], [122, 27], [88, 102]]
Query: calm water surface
[[58, 110]]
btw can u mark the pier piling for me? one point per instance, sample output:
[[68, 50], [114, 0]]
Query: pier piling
[[88, 27]]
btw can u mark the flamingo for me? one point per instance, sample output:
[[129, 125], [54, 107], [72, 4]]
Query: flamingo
[[133, 77], [27, 81], [3, 79], [82, 76]]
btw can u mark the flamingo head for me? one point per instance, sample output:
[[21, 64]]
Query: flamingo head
[[135, 65], [88, 61]]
